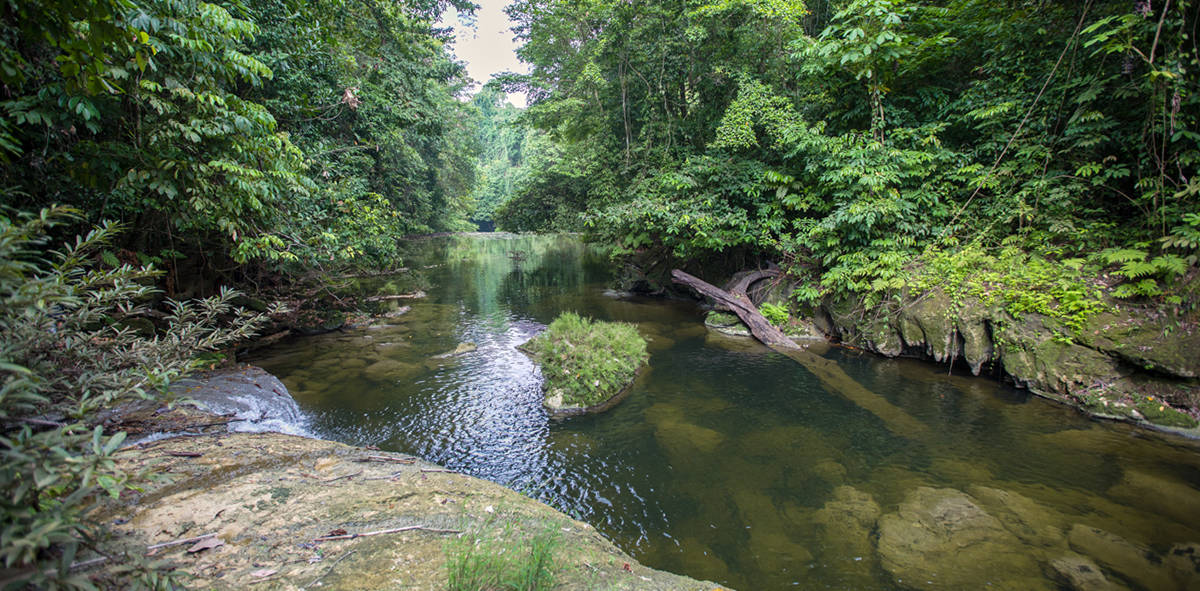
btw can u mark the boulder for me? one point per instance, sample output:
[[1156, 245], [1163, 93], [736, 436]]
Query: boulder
[[1133, 562], [1080, 574], [255, 400], [1159, 494], [845, 524], [942, 539], [1030, 521]]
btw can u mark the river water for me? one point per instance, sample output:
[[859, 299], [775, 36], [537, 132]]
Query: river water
[[732, 463]]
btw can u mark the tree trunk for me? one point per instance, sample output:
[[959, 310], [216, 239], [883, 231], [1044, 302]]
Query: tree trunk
[[739, 303], [828, 371]]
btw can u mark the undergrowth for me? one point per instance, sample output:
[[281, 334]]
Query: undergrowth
[[587, 361], [68, 352], [1019, 282]]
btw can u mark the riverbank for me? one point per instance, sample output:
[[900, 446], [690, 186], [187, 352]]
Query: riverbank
[[276, 511], [1124, 362], [1128, 363]]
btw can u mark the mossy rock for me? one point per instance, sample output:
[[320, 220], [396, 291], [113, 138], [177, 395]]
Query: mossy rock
[[587, 365], [1160, 414], [719, 319], [250, 303], [726, 323]]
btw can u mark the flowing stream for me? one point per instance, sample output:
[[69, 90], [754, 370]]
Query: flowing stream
[[732, 463]]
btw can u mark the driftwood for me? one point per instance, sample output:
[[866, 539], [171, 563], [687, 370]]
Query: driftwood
[[828, 371], [387, 531], [399, 296]]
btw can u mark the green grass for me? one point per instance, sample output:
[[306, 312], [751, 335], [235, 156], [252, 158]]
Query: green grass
[[585, 360], [476, 563]]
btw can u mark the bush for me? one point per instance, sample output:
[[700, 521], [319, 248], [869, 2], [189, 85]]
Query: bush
[[774, 313], [587, 362], [67, 352]]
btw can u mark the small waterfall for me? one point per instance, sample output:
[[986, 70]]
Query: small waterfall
[[258, 400]]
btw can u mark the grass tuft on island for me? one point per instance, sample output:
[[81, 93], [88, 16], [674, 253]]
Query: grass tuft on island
[[586, 363]]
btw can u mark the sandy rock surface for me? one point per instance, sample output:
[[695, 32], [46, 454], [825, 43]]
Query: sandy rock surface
[[265, 505]]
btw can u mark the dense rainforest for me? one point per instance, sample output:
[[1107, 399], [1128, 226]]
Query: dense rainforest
[[862, 141], [1040, 152]]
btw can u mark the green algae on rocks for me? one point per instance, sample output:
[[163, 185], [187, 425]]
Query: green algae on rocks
[[587, 364]]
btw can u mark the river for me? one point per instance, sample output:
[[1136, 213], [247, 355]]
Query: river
[[733, 463]]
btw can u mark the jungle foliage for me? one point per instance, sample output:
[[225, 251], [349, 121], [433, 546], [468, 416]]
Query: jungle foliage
[[274, 131], [72, 346], [856, 140], [504, 144]]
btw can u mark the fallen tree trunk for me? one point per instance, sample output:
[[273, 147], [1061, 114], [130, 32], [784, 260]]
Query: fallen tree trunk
[[739, 303], [829, 372]]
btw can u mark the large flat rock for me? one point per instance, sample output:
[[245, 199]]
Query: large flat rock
[[268, 497]]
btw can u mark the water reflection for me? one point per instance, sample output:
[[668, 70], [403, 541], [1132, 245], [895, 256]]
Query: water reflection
[[732, 463]]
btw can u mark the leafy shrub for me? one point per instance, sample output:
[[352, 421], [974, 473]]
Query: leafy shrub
[[774, 313], [64, 356], [1015, 280], [587, 361]]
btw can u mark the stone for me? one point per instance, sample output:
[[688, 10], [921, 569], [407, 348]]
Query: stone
[[255, 399], [1183, 560], [844, 525], [389, 370], [941, 539], [1081, 574], [976, 336], [1049, 366], [1155, 343], [830, 471], [1159, 494], [461, 349], [1133, 562], [1030, 521], [929, 317], [681, 439]]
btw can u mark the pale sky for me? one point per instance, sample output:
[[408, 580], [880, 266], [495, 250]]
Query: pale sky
[[488, 47]]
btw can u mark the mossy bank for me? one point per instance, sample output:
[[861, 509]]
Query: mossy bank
[[1126, 363]]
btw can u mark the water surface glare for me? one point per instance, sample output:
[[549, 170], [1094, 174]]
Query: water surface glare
[[732, 463]]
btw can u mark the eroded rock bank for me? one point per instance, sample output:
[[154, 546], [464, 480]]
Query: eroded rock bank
[[287, 512], [1127, 363], [1130, 363]]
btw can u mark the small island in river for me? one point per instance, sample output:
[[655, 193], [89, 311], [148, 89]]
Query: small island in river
[[587, 364]]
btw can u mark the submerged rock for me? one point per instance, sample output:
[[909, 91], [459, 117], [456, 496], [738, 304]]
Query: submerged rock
[[1143, 489], [461, 349], [1132, 561], [1080, 574], [941, 539], [1027, 519]]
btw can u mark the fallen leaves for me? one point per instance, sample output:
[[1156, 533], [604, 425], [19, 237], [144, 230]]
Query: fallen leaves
[[206, 544]]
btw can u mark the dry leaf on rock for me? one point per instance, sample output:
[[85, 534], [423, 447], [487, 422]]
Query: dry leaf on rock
[[206, 544]]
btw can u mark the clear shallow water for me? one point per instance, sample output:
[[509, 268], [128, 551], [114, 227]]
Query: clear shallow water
[[725, 460]]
